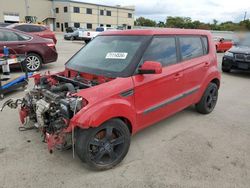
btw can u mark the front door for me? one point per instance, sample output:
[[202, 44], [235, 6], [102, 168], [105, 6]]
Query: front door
[[158, 95]]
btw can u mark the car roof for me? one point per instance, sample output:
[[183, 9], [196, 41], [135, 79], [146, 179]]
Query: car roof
[[16, 24], [165, 31]]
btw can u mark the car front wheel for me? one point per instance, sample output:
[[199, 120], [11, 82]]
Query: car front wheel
[[103, 147], [33, 62]]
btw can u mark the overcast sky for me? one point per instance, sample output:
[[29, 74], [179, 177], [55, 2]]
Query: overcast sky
[[204, 10]]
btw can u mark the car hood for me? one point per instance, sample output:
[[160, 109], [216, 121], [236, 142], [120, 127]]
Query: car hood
[[240, 49]]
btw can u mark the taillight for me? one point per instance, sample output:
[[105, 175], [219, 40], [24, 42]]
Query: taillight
[[50, 45]]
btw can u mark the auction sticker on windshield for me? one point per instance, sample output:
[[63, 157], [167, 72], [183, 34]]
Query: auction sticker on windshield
[[116, 55]]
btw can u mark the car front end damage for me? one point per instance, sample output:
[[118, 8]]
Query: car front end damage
[[52, 104]]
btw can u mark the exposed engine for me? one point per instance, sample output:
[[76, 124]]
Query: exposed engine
[[53, 102]]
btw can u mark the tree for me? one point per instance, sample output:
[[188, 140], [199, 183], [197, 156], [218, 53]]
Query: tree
[[141, 21]]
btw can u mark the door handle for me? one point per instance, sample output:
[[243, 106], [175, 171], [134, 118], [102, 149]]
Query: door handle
[[178, 75]]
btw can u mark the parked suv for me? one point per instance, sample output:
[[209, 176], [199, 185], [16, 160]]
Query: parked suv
[[237, 57], [119, 84]]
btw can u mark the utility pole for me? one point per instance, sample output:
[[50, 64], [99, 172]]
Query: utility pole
[[245, 16], [27, 7]]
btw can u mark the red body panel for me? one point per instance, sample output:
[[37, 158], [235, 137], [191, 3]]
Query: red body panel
[[154, 96], [223, 45]]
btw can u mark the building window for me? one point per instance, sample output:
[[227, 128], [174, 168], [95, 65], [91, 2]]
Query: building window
[[66, 25], [89, 11], [76, 10], [65, 9], [57, 10], [129, 27], [108, 25], [129, 15], [57, 24], [77, 24], [108, 13], [102, 12], [101, 25], [89, 26]]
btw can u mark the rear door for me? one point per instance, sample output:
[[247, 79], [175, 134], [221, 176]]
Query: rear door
[[196, 62], [158, 95]]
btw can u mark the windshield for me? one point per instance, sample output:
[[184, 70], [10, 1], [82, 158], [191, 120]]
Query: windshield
[[113, 56]]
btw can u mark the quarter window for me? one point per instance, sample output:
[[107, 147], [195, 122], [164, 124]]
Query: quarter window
[[205, 43], [190, 47], [163, 50]]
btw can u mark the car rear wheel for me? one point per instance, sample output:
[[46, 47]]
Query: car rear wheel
[[33, 62], [208, 100], [103, 147]]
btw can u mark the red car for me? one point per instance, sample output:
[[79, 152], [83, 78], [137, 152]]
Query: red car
[[35, 29], [133, 79], [38, 50], [222, 45]]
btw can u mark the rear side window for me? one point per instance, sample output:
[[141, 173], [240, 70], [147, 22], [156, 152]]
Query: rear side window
[[163, 50], [11, 36], [205, 43], [190, 47]]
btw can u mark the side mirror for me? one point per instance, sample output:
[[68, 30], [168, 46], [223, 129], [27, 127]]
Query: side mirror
[[150, 67]]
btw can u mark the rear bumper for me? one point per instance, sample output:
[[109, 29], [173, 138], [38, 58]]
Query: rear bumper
[[231, 63], [51, 58]]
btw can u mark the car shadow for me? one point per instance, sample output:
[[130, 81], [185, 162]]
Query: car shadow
[[239, 73]]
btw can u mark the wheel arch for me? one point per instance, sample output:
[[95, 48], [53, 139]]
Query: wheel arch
[[216, 81]]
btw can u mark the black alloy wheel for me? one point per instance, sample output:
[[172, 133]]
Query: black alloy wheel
[[208, 100], [104, 147]]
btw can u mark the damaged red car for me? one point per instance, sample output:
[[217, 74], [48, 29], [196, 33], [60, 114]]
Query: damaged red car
[[119, 84]]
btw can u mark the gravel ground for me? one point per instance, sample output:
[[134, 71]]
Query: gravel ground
[[186, 150]]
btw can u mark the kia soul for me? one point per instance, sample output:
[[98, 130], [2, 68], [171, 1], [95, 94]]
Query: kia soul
[[118, 84]]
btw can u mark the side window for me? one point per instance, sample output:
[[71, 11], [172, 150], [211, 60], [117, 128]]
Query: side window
[[190, 47], [22, 37], [205, 43], [163, 50], [9, 36], [2, 36]]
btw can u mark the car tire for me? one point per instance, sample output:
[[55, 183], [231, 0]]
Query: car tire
[[72, 38], [33, 62], [87, 41], [208, 100], [226, 69], [103, 147]]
